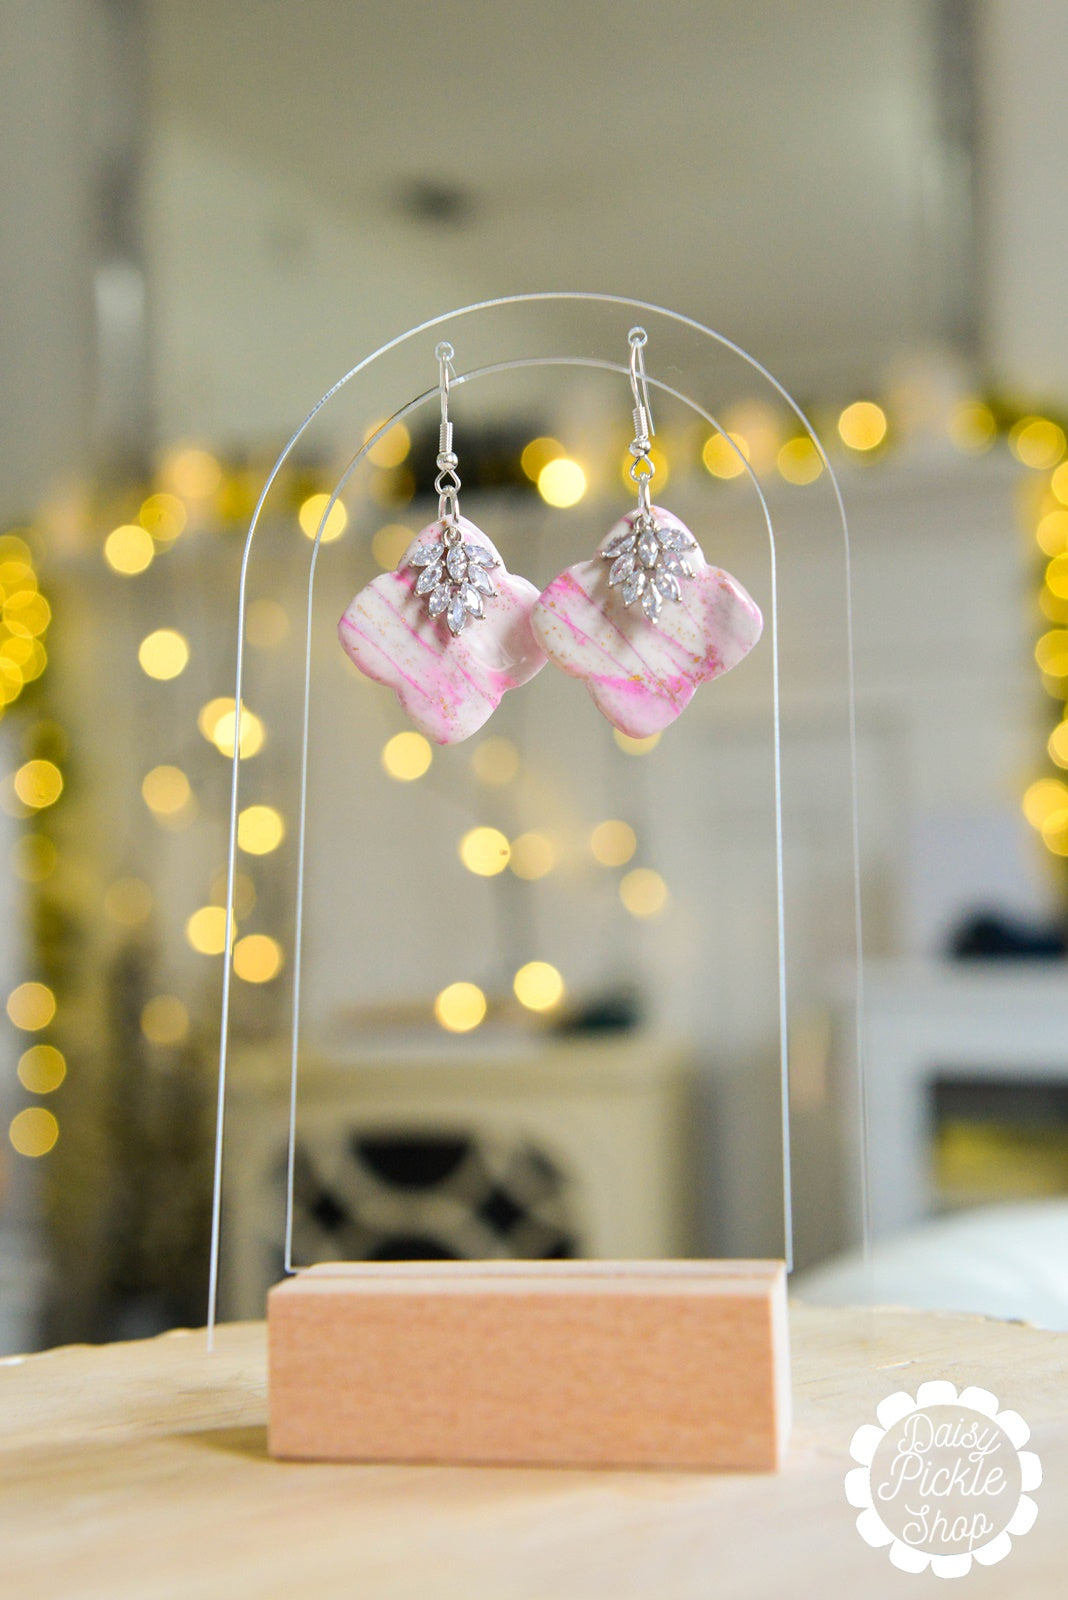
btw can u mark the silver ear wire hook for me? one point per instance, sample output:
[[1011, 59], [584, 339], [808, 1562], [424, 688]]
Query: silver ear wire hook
[[641, 468], [447, 482]]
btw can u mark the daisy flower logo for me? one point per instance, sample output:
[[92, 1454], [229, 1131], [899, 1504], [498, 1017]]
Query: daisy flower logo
[[943, 1479]]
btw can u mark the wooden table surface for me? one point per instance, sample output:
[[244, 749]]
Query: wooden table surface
[[140, 1470]]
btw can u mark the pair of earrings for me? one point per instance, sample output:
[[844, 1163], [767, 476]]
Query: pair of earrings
[[643, 623]]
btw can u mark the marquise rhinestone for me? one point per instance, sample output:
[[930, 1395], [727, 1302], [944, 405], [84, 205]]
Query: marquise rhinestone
[[648, 549], [633, 587], [439, 599], [622, 541], [621, 568], [480, 579], [428, 579], [478, 557], [457, 615], [472, 599], [651, 601], [456, 561], [427, 555]]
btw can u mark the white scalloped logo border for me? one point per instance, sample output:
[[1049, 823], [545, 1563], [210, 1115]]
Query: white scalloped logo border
[[868, 1438]]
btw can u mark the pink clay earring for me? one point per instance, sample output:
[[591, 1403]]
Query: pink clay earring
[[647, 619], [450, 631]]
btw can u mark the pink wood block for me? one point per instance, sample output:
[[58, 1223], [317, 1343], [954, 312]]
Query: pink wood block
[[679, 1364]]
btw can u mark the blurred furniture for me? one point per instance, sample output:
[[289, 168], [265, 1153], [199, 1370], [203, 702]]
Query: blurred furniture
[[995, 1261], [138, 1471], [501, 1145], [932, 1027]]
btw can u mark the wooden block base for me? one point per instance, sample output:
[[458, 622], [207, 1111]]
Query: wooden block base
[[678, 1364]]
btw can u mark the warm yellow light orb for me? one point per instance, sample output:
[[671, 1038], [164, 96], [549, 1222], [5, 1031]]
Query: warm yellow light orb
[[1052, 532], [31, 1006], [129, 549], [392, 448], [253, 733], [389, 543], [258, 958], [1043, 798], [165, 1020], [205, 930], [538, 986], [460, 1007], [862, 426], [635, 747], [407, 756], [260, 829], [643, 892], [163, 516], [194, 474], [1057, 746], [42, 1068], [485, 851], [38, 784], [1051, 653], [561, 482], [613, 842], [799, 461], [1037, 442], [33, 1132], [165, 790], [537, 455], [163, 654], [720, 456], [311, 514], [533, 856], [972, 426]]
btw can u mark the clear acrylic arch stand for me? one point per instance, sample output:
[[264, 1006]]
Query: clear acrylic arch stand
[[534, 334]]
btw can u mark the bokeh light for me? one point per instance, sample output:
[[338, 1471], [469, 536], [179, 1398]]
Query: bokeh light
[[1058, 747], [1052, 532], [129, 549], [42, 1068], [260, 829], [537, 455], [205, 930], [1037, 442], [533, 856], [389, 543], [972, 427], [1043, 798], [33, 1132], [561, 482], [165, 790], [253, 732], [613, 842], [194, 474], [407, 756], [163, 654], [799, 461], [31, 1006], [392, 448], [258, 958], [311, 514], [643, 892], [165, 1020], [38, 784], [485, 851], [460, 1007], [164, 517], [538, 986], [720, 457], [862, 426], [635, 747]]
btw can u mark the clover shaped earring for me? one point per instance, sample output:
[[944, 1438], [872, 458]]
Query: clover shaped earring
[[647, 619], [449, 632]]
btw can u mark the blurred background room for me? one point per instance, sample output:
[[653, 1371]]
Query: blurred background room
[[540, 1004]]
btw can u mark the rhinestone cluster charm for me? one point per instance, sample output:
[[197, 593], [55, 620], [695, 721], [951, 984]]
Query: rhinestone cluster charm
[[455, 576], [649, 562]]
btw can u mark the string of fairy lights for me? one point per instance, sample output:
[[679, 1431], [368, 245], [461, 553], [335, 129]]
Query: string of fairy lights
[[195, 491]]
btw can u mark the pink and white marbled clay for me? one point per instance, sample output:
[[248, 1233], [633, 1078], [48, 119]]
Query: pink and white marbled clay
[[449, 686], [642, 675]]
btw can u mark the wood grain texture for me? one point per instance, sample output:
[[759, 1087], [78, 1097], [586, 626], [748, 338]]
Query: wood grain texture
[[567, 1363], [140, 1472]]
